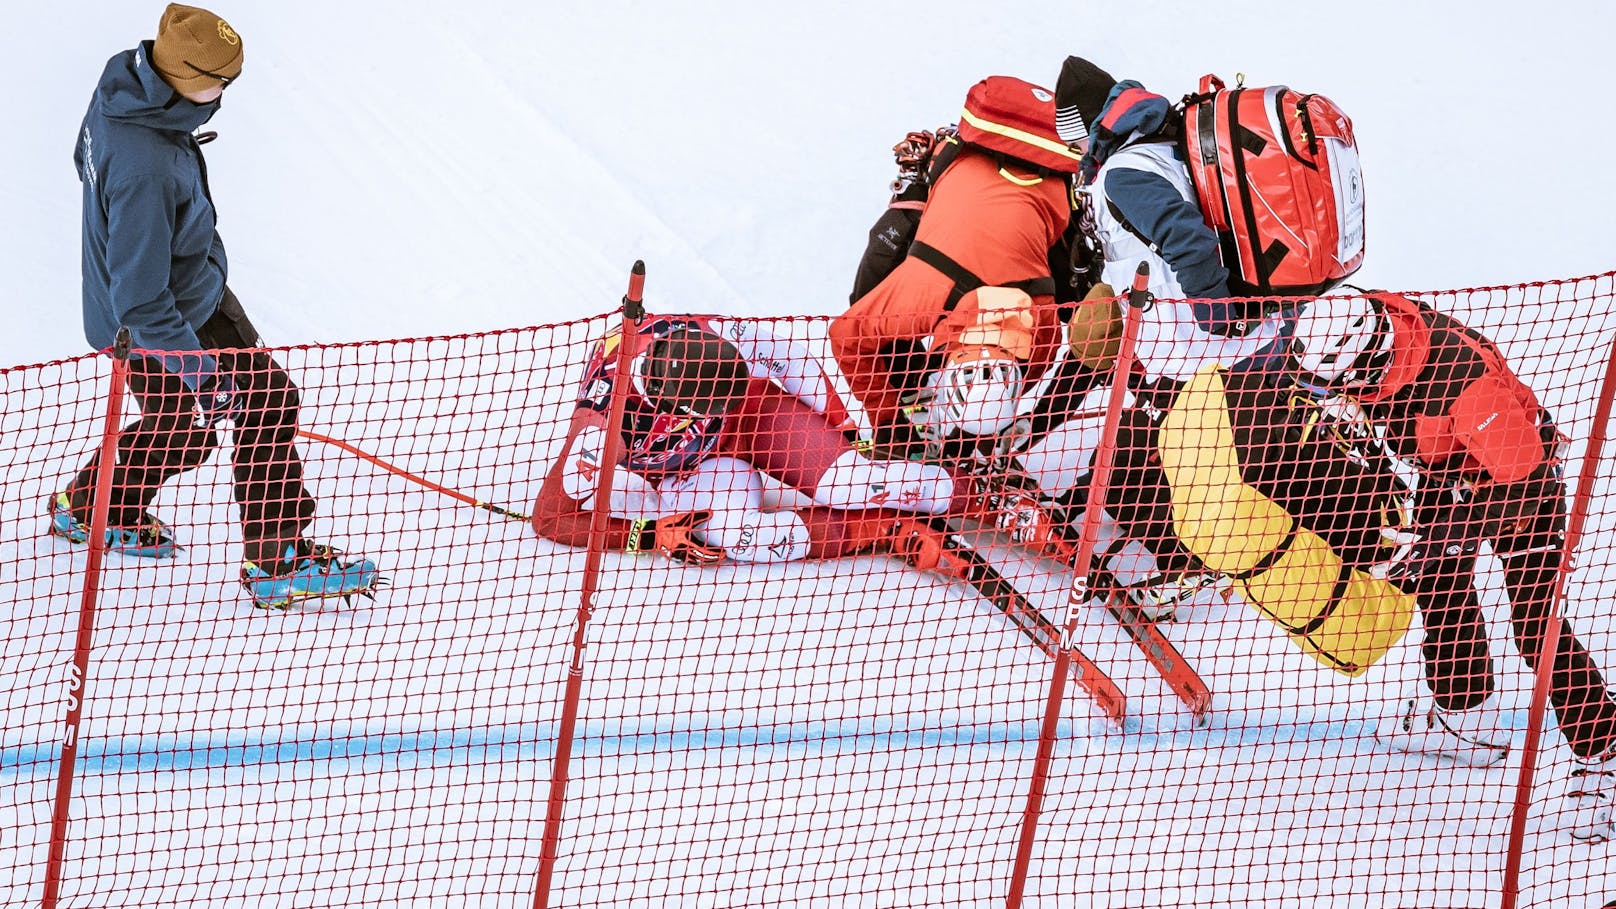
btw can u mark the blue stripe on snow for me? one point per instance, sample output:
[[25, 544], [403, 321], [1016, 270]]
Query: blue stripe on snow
[[438, 748]]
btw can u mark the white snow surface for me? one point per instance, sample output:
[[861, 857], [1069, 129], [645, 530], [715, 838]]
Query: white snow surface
[[837, 733]]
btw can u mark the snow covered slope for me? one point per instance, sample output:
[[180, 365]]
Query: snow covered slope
[[388, 169], [849, 732]]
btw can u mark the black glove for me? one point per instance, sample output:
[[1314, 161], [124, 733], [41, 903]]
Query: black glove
[[1435, 550], [218, 401]]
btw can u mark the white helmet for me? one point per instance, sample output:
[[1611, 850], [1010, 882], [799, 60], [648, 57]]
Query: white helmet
[[976, 396], [1342, 340]]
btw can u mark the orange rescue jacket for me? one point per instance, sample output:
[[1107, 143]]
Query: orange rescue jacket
[[993, 222]]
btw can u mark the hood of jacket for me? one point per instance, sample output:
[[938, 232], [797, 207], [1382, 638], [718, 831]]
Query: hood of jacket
[[1130, 113], [131, 91]]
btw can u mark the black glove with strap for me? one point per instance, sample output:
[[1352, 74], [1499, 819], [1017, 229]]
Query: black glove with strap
[[1436, 549]]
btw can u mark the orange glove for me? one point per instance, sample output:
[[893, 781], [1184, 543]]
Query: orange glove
[[673, 535], [926, 548]]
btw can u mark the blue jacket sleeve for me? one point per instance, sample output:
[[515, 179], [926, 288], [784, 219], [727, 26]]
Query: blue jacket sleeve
[[141, 220], [1156, 210]]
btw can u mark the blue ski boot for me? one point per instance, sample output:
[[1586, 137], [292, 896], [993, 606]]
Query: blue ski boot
[[150, 540], [308, 571]]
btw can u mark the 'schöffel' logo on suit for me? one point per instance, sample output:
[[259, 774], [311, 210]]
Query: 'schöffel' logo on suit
[[89, 157]]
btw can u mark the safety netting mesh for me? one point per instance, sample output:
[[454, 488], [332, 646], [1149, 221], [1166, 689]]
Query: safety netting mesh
[[813, 672]]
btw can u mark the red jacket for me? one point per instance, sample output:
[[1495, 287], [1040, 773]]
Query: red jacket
[[1450, 401], [997, 224]]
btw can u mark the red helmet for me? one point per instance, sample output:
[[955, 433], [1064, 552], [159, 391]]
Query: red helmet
[[693, 372]]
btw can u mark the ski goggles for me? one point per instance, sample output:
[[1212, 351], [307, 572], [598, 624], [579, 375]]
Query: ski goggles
[[224, 81]]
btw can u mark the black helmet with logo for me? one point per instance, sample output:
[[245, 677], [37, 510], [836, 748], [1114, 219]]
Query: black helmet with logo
[[694, 372]]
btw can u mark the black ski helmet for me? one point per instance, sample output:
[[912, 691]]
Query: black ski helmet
[[694, 372]]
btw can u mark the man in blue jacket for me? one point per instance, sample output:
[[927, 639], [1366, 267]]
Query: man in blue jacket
[[1140, 205], [153, 261]]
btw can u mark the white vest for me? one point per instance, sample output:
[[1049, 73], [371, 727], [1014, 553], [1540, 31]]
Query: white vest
[[1171, 344]]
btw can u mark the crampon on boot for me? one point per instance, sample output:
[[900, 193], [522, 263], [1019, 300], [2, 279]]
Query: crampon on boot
[[150, 539], [1591, 798], [1160, 596], [1471, 737], [309, 571]]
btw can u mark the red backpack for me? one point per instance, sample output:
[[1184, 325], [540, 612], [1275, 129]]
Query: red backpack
[[1016, 119], [1278, 178]]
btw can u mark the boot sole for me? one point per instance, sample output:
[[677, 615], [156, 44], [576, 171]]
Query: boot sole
[[1476, 757], [123, 551], [281, 604]]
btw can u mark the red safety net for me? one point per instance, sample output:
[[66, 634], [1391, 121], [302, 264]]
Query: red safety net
[[418, 666]]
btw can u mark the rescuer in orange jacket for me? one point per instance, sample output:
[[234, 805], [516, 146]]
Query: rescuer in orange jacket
[[963, 329], [995, 224]]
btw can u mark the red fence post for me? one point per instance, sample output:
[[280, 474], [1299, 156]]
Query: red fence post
[[1551, 645], [78, 680], [1078, 596], [628, 346]]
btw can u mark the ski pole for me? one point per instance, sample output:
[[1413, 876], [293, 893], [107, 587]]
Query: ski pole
[[394, 469]]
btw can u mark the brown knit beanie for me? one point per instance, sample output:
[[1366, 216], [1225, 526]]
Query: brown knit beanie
[[194, 47]]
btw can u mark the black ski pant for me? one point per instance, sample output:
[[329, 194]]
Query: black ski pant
[[1458, 666], [167, 440]]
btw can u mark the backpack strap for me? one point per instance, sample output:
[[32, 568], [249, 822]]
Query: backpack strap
[[965, 281], [1171, 133], [1127, 225]]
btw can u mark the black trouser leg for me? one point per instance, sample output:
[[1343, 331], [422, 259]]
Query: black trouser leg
[[152, 450], [1139, 497], [275, 505], [1458, 667], [1582, 702]]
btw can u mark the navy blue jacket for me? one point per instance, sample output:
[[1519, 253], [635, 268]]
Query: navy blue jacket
[[152, 259], [1153, 207]]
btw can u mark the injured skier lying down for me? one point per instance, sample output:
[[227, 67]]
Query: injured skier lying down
[[711, 408]]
